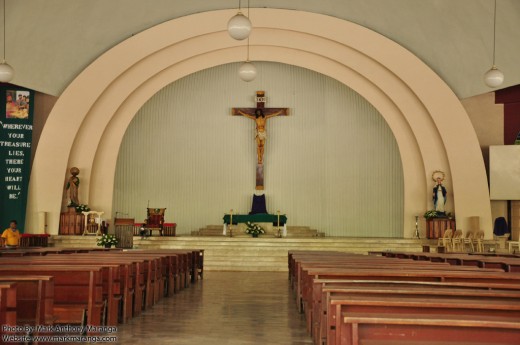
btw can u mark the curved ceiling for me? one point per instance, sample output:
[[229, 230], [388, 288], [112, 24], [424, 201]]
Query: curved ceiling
[[109, 92], [49, 43]]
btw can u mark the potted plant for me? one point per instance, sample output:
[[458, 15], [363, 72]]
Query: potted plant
[[107, 241], [254, 229], [431, 214], [81, 208]]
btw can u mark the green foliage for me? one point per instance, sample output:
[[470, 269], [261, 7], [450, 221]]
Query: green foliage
[[106, 239], [253, 228], [430, 214], [82, 208]]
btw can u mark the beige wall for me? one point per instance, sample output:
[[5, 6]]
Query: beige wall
[[42, 108], [430, 125], [333, 164], [488, 120]]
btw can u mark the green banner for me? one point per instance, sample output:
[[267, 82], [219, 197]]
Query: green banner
[[16, 121]]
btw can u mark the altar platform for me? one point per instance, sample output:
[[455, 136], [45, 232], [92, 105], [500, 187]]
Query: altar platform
[[255, 254]]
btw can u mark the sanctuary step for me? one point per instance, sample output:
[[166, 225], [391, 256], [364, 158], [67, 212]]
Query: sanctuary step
[[292, 232], [255, 254]]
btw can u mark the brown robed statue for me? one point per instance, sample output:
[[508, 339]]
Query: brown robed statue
[[260, 114]]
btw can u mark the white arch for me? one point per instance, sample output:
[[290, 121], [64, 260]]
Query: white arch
[[431, 127]]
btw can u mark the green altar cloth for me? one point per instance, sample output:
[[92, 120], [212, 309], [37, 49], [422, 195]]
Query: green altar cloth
[[256, 218]]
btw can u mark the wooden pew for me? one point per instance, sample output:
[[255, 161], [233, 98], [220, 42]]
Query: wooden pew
[[310, 295], [304, 282], [167, 271], [414, 292], [152, 269], [124, 293], [122, 273], [34, 299], [186, 265], [334, 267], [508, 264], [463, 308], [110, 273], [410, 329], [7, 304], [424, 289], [78, 290], [342, 259]]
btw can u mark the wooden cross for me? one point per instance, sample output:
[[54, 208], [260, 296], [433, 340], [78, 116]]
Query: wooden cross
[[260, 114]]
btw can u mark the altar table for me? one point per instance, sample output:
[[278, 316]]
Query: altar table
[[263, 219], [256, 218]]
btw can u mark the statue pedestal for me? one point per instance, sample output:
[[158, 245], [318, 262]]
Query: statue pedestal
[[71, 223], [435, 227]]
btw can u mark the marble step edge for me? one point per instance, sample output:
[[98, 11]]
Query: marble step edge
[[283, 254], [263, 251], [247, 269], [245, 258], [247, 244], [244, 263], [223, 239], [256, 252], [288, 227]]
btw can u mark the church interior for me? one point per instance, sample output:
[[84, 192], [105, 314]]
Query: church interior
[[258, 171]]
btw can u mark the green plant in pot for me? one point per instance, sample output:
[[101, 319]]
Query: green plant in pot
[[431, 214], [107, 241], [254, 229]]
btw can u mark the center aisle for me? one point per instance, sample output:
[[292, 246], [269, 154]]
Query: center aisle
[[224, 308]]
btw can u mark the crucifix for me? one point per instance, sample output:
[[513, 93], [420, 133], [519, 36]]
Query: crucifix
[[260, 114]]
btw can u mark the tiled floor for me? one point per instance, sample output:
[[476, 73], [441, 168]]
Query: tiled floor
[[225, 308]]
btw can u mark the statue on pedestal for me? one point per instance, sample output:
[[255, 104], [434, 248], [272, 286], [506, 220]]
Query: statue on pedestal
[[73, 186], [439, 192]]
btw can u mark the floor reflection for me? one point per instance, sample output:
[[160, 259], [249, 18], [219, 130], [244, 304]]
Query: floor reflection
[[225, 308]]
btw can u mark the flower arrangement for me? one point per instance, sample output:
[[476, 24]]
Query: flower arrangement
[[81, 208], [430, 214], [254, 229], [106, 240], [436, 214]]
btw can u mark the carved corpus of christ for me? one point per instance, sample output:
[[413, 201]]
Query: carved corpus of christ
[[261, 135], [260, 114]]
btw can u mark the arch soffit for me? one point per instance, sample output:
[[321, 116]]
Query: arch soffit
[[93, 103]]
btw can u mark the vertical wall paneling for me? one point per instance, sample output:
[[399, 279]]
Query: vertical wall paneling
[[333, 164]]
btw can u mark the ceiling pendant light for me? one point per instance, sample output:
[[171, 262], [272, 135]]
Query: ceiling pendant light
[[247, 71], [239, 26], [494, 77], [6, 71]]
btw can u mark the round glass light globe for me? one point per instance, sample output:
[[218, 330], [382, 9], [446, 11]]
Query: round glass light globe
[[239, 27], [494, 77], [6, 72], [247, 71]]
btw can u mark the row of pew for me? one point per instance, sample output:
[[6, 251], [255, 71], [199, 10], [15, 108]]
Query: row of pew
[[375, 299], [97, 288]]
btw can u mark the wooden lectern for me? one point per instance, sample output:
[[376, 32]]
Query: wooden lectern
[[124, 228]]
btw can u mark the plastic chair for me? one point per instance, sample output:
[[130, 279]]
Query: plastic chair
[[445, 240], [457, 241], [478, 241], [468, 241]]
